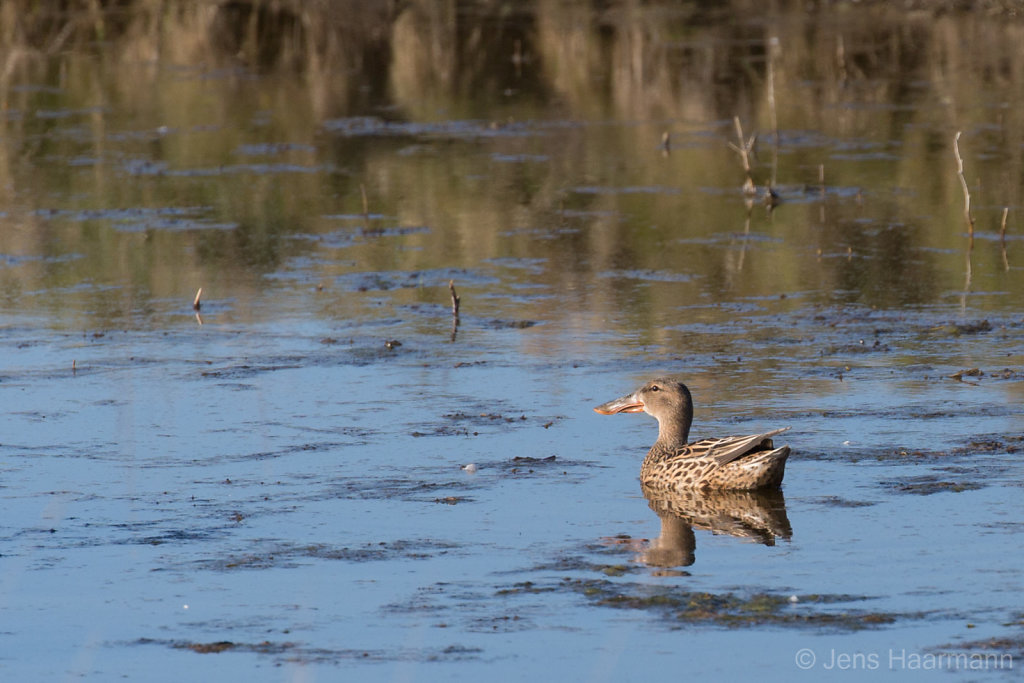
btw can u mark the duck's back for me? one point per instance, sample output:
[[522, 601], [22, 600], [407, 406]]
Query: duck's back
[[735, 462]]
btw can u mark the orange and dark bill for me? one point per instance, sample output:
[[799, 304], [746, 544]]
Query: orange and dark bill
[[626, 404]]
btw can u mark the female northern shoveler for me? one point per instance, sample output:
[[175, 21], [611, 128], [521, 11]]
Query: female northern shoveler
[[733, 462]]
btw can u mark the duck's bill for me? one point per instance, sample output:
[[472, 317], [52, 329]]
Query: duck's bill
[[626, 404]]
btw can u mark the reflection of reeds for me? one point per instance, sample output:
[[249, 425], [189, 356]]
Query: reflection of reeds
[[773, 49], [1002, 238], [366, 206], [184, 65]]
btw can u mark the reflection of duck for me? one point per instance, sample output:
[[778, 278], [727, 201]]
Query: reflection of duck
[[733, 462], [757, 515]]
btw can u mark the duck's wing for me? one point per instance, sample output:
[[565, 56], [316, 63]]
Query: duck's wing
[[729, 448]]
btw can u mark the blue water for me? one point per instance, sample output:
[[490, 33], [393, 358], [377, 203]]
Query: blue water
[[276, 487], [208, 484]]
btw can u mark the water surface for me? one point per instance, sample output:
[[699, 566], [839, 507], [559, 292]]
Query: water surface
[[275, 486]]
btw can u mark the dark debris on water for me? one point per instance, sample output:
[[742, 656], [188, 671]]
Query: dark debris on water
[[928, 484], [680, 607], [297, 652], [287, 555], [978, 373]]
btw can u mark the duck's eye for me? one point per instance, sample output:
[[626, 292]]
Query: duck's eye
[[655, 387]]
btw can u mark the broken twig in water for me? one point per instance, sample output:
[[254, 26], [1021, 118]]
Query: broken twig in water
[[455, 299], [455, 308], [743, 149], [366, 205], [198, 304], [963, 184]]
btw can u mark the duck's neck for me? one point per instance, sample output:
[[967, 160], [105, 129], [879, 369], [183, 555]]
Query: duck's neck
[[674, 430]]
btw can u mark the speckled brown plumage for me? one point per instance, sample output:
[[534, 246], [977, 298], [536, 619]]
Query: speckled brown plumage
[[732, 462]]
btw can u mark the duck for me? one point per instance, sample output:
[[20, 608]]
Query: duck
[[727, 463]]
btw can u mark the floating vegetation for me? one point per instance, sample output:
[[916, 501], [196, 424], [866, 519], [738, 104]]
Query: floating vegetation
[[288, 651], [277, 554], [978, 373], [929, 484], [1004, 443], [838, 502], [678, 606], [511, 324], [990, 654], [467, 423]]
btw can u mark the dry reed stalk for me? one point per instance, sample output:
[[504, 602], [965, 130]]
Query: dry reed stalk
[[963, 184], [744, 151]]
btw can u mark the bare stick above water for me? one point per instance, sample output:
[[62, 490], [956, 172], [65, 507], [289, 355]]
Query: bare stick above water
[[198, 304], [963, 184], [743, 149]]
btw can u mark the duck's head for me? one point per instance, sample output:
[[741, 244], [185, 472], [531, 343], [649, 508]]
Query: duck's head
[[667, 400]]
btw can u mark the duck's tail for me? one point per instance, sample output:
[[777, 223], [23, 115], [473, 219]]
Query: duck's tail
[[735, 447]]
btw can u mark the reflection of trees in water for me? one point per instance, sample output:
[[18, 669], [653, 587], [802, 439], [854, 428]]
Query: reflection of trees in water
[[653, 59], [878, 81], [884, 265]]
